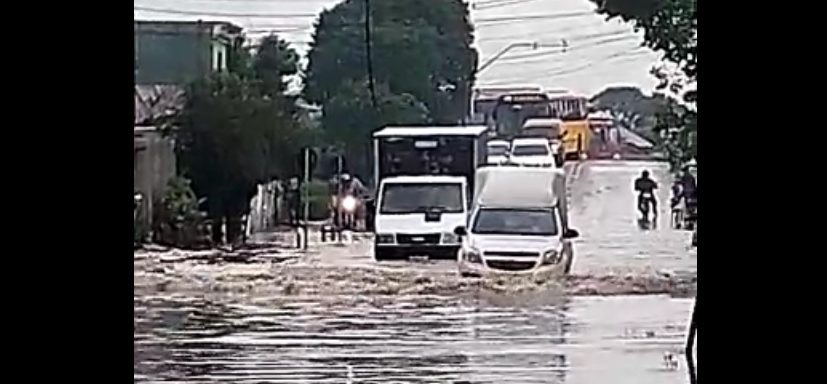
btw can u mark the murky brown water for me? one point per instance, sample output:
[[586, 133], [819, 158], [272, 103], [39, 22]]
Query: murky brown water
[[274, 318], [411, 339]]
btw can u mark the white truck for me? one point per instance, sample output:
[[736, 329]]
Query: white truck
[[521, 230], [425, 178]]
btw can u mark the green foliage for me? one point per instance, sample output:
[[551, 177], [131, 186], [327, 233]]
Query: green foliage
[[274, 60], [423, 66], [178, 222], [237, 130], [670, 27], [319, 198], [635, 110]]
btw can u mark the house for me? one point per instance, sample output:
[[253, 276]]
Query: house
[[153, 154], [178, 52]]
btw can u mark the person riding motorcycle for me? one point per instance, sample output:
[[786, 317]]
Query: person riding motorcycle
[[348, 193], [690, 193], [645, 187]]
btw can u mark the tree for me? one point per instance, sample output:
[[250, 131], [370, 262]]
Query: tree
[[350, 118], [422, 61], [274, 60], [670, 27], [235, 131]]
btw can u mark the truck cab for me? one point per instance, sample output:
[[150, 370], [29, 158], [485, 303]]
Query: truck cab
[[425, 178], [416, 215]]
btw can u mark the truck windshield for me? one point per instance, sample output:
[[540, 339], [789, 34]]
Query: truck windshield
[[530, 222], [529, 150], [421, 197]]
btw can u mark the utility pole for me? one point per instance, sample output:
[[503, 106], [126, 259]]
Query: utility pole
[[369, 56], [306, 194]]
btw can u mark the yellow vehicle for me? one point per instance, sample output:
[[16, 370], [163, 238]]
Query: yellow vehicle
[[576, 131]]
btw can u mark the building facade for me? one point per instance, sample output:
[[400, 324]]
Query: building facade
[[178, 52]]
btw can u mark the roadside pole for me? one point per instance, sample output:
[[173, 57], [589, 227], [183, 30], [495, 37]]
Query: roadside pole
[[306, 195]]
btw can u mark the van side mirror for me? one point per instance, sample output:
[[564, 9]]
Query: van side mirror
[[570, 234], [460, 231]]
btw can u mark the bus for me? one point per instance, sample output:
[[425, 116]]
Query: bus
[[576, 131], [485, 98], [511, 111]]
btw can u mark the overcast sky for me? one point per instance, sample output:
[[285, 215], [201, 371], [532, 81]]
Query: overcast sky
[[599, 53]]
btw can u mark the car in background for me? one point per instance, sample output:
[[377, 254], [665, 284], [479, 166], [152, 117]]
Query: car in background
[[533, 151], [497, 151]]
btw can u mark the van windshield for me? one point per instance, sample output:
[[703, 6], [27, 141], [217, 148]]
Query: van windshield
[[421, 197], [530, 222]]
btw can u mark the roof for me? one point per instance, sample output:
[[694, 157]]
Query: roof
[[497, 142], [630, 137], [537, 122], [420, 131], [539, 187], [154, 101], [529, 141], [494, 92], [423, 179]]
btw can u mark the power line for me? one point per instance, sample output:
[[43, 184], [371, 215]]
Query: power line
[[486, 5], [601, 60], [221, 14], [548, 16]]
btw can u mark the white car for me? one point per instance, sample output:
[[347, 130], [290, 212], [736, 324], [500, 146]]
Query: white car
[[533, 151], [497, 151], [517, 231], [416, 216]]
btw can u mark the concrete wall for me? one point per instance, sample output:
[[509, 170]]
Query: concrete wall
[[153, 166], [172, 52]]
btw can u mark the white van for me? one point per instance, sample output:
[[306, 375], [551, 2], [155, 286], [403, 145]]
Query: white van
[[517, 230], [416, 216]]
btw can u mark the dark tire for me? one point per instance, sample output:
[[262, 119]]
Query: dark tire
[[383, 254], [469, 275]]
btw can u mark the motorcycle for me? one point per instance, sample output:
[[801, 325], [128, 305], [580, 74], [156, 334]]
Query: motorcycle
[[645, 200], [347, 212], [690, 216]]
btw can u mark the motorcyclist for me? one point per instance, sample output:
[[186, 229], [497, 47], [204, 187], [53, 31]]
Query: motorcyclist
[[644, 185], [690, 192], [677, 191]]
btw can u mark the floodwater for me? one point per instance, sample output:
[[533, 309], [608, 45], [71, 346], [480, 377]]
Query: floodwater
[[334, 315]]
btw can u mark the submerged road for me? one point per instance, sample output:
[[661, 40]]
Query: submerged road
[[336, 316]]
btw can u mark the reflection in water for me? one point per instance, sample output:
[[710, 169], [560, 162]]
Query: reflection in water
[[411, 339]]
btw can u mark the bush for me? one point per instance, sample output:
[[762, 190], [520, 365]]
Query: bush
[[319, 199], [178, 221]]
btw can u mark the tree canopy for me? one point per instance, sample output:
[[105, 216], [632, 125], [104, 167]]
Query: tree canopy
[[422, 60], [237, 130], [670, 27]]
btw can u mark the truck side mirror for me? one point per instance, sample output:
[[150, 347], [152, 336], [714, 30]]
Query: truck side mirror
[[570, 234], [460, 231]]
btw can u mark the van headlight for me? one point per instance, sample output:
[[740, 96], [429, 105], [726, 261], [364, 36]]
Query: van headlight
[[385, 238], [449, 238], [473, 255], [551, 257]]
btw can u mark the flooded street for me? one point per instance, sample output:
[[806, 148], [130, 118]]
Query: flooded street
[[336, 316]]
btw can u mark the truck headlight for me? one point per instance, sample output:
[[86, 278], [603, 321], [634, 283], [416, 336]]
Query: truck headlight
[[449, 238], [551, 257], [385, 239], [473, 256]]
